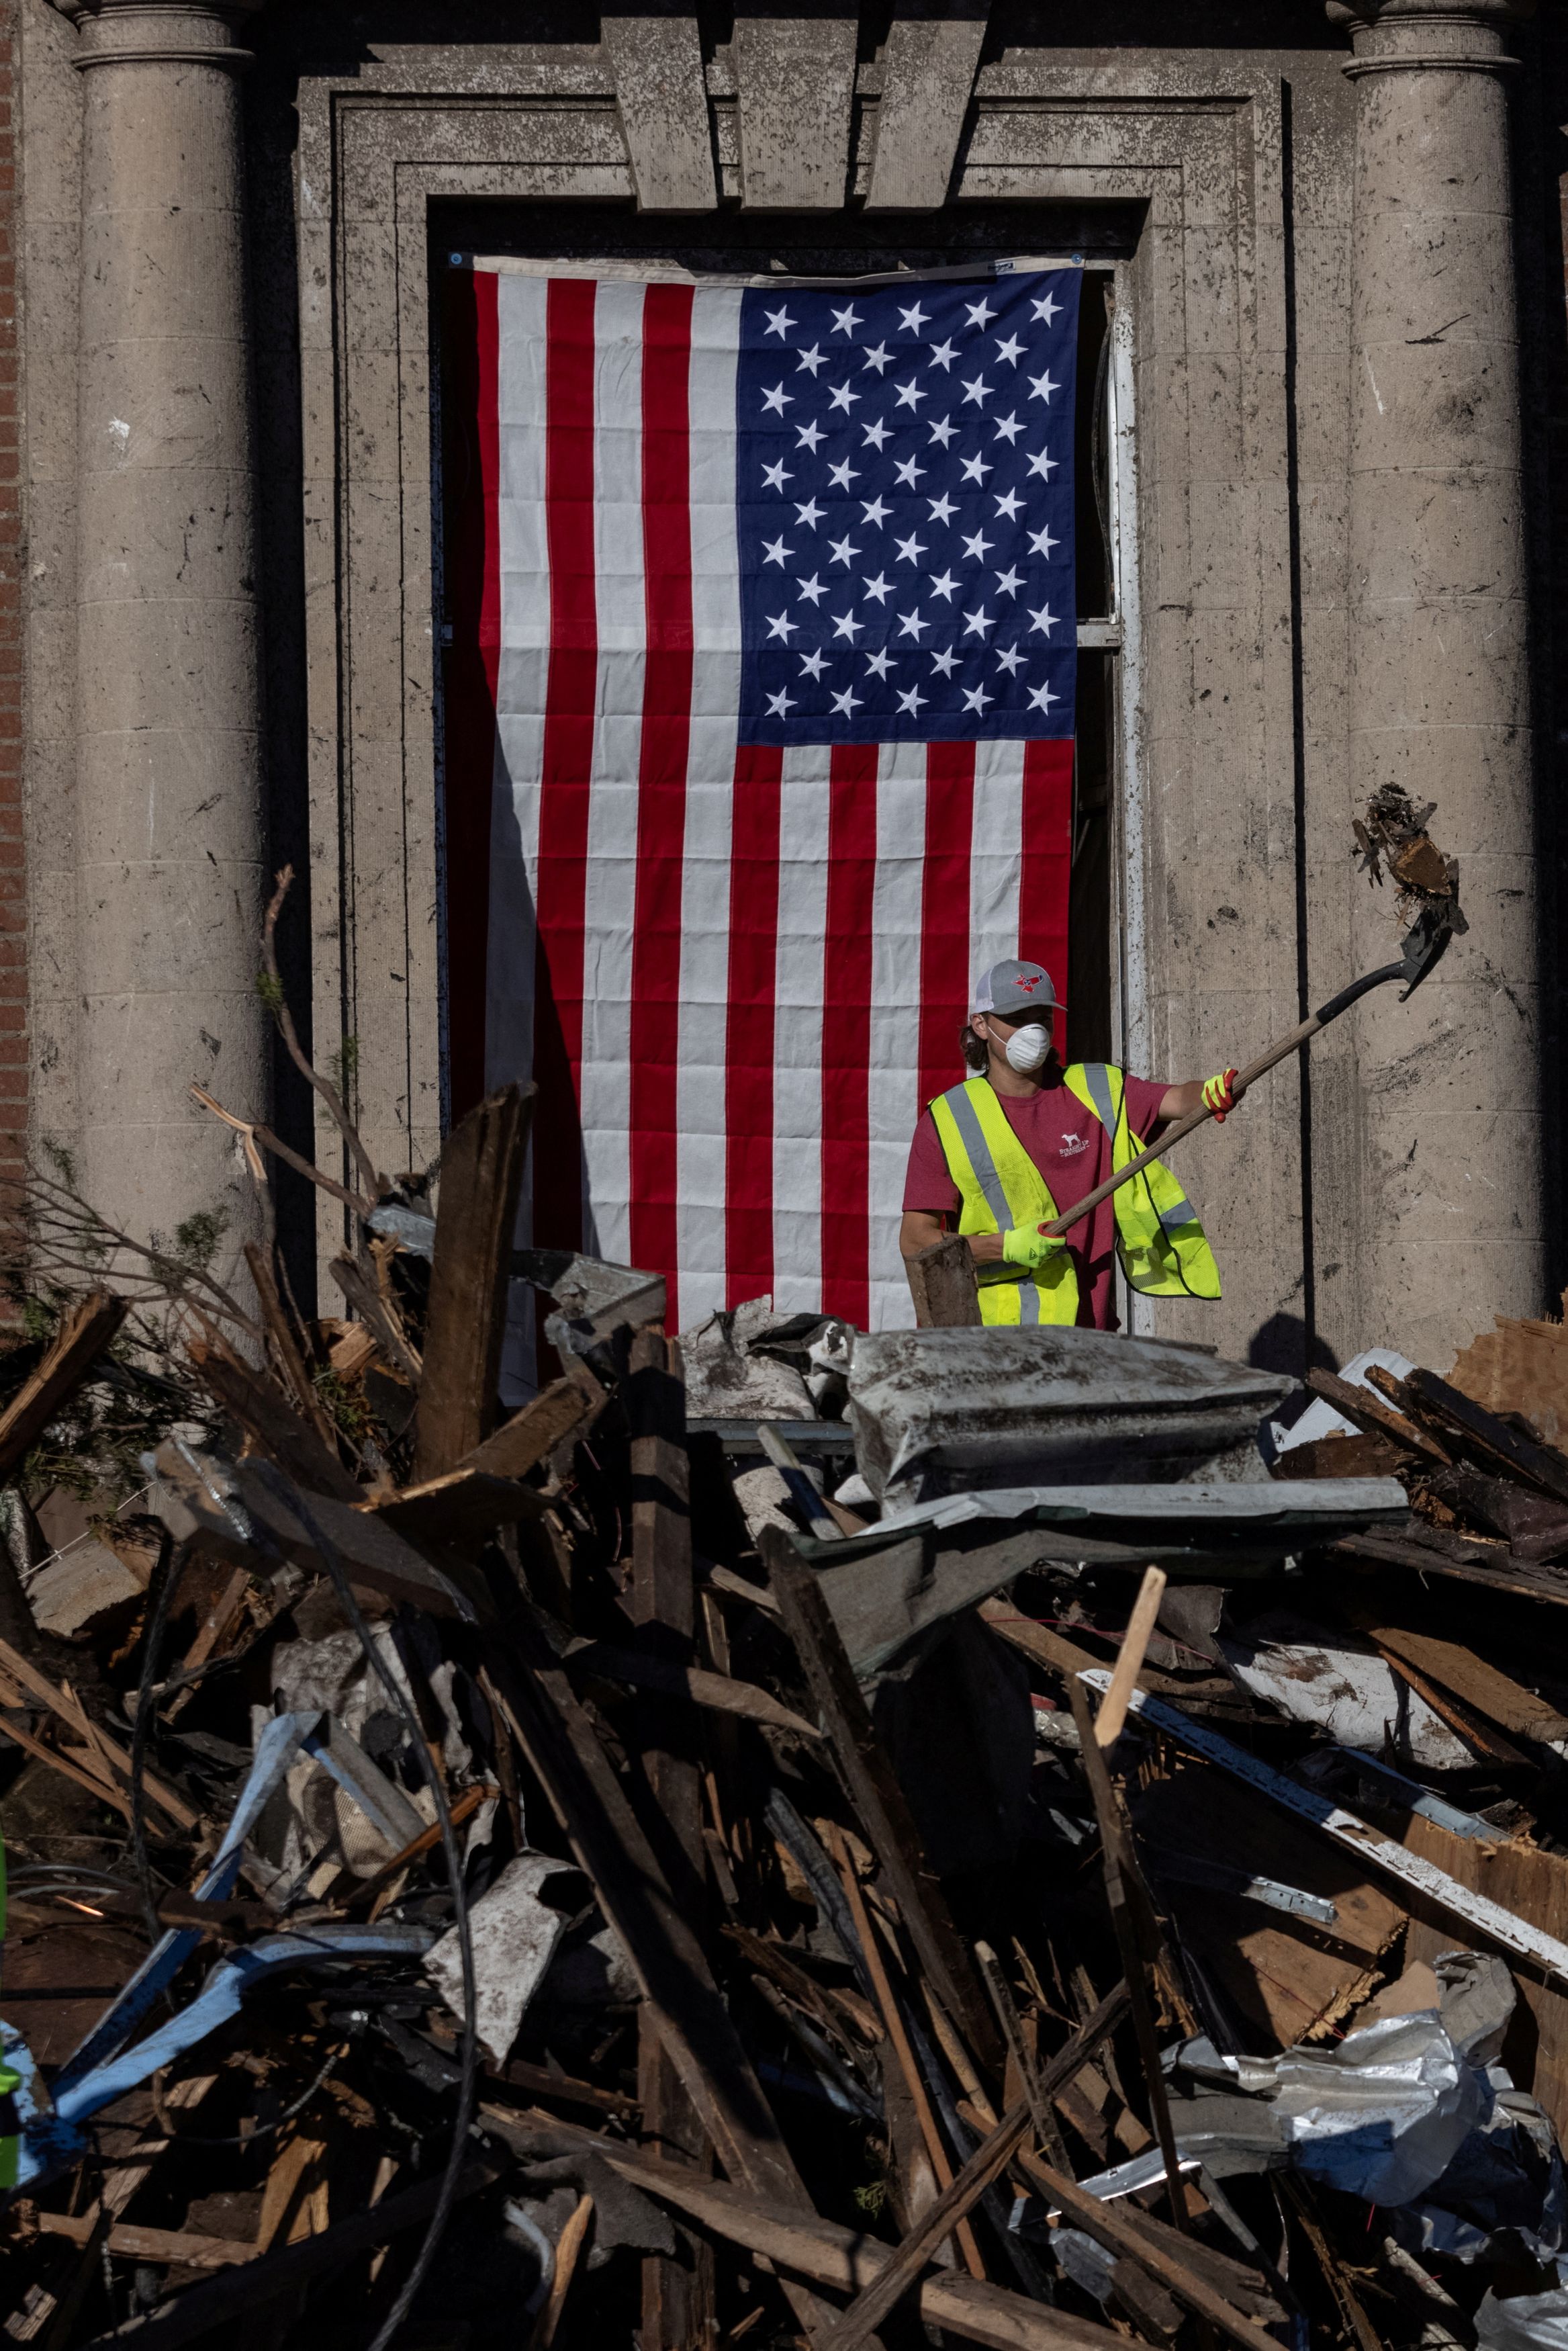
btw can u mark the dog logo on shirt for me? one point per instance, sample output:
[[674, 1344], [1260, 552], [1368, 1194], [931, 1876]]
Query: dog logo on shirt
[[1072, 1144]]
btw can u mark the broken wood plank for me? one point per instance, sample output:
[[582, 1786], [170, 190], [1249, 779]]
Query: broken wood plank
[[539, 2081], [897, 2037], [1113, 1709], [848, 2259], [1523, 1580], [943, 1286], [376, 1317], [463, 1507], [568, 2248], [481, 1175], [988, 2161], [1478, 1733], [677, 2298], [134, 2243], [218, 2302], [86, 1331], [590, 1802], [1049, 1647], [521, 1443], [1459, 1669], [1137, 1933], [21, 1671], [721, 1693], [1372, 1416], [285, 1346], [265, 1415], [376, 1558], [1480, 1431], [940, 2219], [1342, 1456], [878, 1801], [215, 1626]]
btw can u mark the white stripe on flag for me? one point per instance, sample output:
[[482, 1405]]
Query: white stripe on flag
[[996, 856], [610, 895], [803, 808], [893, 1079], [710, 800], [524, 570]]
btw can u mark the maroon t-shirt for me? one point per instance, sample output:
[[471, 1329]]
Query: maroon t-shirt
[[1073, 1153]]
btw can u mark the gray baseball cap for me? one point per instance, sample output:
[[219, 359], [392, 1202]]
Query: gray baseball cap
[[1014, 986]]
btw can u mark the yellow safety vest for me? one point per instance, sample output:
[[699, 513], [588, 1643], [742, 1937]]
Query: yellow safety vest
[[1160, 1240]]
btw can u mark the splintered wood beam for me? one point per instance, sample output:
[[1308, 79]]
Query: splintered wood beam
[[521, 1443], [875, 2301], [848, 2259], [676, 2297], [718, 1693], [589, 1800], [880, 1802], [86, 1331], [285, 1343], [1470, 1424], [476, 1215], [1372, 1416], [265, 1414], [1137, 1935]]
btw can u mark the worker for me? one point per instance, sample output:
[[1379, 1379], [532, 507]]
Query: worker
[[1023, 1139]]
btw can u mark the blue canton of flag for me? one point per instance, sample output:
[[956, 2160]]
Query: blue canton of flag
[[904, 463]]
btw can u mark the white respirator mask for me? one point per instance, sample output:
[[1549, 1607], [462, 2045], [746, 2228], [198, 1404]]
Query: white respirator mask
[[1027, 1048]]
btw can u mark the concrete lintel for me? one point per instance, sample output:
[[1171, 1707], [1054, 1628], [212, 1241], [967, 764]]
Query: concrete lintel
[[928, 78], [657, 61], [795, 78]]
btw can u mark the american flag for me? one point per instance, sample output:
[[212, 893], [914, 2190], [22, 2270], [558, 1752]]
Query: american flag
[[772, 596]]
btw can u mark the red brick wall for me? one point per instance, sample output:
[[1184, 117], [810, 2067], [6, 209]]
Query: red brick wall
[[13, 869]]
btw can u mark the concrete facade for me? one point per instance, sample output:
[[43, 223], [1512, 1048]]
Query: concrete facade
[[1327, 239]]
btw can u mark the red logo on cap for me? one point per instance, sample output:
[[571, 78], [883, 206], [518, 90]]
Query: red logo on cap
[[1028, 985]]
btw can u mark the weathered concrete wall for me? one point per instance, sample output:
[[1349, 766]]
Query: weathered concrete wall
[[1439, 694], [169, 830], [49, 240]]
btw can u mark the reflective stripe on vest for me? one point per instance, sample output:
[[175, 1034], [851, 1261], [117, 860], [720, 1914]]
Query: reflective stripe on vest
[[998, 1187], [1163, 1249]]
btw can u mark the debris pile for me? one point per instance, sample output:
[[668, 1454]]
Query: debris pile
[[788, 1834]]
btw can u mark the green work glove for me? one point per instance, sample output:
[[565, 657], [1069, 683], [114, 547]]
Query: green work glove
[[1027, 1245]]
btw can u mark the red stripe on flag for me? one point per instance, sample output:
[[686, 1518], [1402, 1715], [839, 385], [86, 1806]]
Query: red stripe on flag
[[847, 1030], [1047, 877], [662, 781], [567, 760], [470, 417], [944, 912], [748, 1040]]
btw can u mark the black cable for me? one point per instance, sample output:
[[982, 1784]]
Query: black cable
[[165, 1576], [295, 1504]]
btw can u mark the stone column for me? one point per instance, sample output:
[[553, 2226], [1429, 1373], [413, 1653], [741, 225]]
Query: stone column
[[1450, 1213], [172, 826]]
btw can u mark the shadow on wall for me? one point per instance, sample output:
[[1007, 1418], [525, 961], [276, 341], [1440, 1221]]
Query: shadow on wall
[[1283, 1344]]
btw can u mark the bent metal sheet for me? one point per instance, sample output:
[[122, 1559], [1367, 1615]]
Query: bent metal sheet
[[773, 599]]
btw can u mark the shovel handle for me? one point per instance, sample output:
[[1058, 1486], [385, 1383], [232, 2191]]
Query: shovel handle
[[1244, 1077]]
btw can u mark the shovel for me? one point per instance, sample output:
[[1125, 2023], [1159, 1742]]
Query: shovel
[[1420, 948]]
